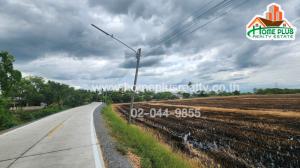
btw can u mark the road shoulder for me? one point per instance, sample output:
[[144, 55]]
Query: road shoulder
[[112, 157]]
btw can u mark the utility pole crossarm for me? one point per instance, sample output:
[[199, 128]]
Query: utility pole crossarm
[[112, 36]]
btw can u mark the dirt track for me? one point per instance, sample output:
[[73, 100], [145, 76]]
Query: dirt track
[[241, 131]]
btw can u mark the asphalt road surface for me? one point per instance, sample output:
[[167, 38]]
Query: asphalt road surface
[[62, 140]]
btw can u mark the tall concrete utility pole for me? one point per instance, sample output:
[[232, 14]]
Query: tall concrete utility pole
[[138, 56]]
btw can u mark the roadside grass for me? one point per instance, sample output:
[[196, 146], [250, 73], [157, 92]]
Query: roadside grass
[[153, 154], [27, 116], [9, 119]]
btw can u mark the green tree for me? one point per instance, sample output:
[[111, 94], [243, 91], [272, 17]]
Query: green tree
[[186, 95], [190, 84], [8, 76], [200, 93], [6, 118], [29, 91], [236, 92], [164, 96]]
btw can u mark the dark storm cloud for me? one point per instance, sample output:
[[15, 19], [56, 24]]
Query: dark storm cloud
[[116, 74], [134, 8], [245, 56], [206, 78], [114, 6], [63, 77], [31, 45], [62, 27], [38, 28], [179, 38], [225, 69], [227, 30], [155, 51], [33, 29], [145, 62], [206, 70]]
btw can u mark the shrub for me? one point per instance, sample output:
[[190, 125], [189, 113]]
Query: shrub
[[7, 120]]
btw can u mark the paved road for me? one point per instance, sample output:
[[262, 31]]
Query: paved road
[[62, 140]]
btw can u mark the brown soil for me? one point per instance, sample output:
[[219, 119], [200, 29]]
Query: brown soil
[[136, 161], [246, 131]]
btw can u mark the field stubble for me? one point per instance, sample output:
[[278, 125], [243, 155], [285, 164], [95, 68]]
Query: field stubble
[[245, 131]]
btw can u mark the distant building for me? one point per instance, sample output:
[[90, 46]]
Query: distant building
[[179, 95], [274, 18], [274, 13], [42, 104]]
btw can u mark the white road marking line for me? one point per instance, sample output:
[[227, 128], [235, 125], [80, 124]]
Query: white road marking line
[[99, 162]]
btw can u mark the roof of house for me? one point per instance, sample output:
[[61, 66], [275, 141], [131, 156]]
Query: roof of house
[[266, 22], [256, 19], [271, 23]]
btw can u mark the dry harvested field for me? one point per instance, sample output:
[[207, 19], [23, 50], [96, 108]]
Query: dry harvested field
[[244, 131]]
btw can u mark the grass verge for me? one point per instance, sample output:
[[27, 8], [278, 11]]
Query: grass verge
[[153, 154], [9, 119]]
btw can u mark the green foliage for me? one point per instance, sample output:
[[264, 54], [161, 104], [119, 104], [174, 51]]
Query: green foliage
[[25, 116], [124, 96], [200, 93], [8, 76], [236, 93], [152, 153], [10, 119], [146, 163], [164, 96], [212, 93], [276, 91], [7, 120], [186, 95], [190, 84], [122, 148], [34, 90]]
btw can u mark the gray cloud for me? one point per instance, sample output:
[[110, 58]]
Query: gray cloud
[[144, 62], [116, 74], [110, 5], [245, 55], [35, 29]]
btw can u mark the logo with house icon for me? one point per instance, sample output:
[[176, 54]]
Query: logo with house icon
[[273, 27]]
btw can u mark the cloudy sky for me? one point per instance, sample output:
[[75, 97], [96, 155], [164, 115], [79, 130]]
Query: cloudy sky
[[181, 41]]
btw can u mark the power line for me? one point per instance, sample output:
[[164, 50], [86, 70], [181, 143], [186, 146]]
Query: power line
[[186, 20], [219, 7], [220, 16], [112, 36], [196, 19], [138, 56]]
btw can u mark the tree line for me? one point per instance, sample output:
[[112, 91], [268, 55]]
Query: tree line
[[32, 91], [276, 91], [18, 91]]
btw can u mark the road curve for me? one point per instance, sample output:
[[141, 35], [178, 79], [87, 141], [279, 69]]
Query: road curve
[[64, 140]]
